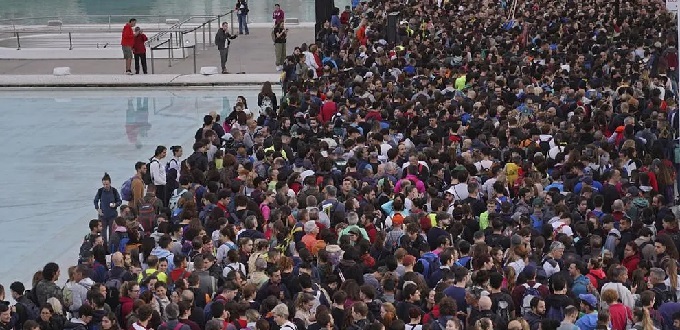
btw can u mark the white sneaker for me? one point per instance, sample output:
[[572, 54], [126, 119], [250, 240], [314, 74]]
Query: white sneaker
[[128, 73], [279, 68]]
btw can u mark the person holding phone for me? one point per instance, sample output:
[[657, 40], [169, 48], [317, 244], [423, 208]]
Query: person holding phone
[[222, 40], [280, 34]]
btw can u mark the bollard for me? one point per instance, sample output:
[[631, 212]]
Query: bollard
[[70, 42], [231, 26], [170, 51], [18, 41], [209, 30], [203, 28], [152, 67], [194, 47]]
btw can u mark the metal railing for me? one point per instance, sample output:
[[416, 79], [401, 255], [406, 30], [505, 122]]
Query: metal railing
[[111, 22], [175, 40]]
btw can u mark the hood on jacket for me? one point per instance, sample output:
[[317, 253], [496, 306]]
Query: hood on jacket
[[126, 300], [160, 252], [87, 283], [597, 273], [121, 229]]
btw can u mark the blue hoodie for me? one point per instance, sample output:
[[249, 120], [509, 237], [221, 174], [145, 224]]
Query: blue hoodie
[[580, 285], [587, 321]]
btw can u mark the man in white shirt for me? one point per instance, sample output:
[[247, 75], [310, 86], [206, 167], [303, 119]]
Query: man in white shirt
[[157, 169]]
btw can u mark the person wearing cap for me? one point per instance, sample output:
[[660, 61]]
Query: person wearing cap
[[588, 306]]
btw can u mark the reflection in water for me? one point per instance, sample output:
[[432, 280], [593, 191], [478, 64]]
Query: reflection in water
[[137, 120]]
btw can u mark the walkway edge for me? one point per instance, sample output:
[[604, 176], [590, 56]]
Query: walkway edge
[[136, 80]]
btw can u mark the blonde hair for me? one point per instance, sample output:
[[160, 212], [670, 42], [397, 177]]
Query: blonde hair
[[56, 305]]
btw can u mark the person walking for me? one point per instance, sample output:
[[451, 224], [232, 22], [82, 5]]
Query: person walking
[[106, 202], [278, 15], [222, 41], [242, 12], [139, 49], [280, 34], [128, 41]]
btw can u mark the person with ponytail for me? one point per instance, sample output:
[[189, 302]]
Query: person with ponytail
[[106, 202], [671, 281], [642, 320]]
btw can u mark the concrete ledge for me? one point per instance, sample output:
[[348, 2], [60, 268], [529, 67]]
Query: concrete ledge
[[136, 80], [292, 20]]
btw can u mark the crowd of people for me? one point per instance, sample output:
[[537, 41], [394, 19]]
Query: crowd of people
[[495, 165]]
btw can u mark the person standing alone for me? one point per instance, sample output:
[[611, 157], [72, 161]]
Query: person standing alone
[[128, 42], [106, 202], [278, 15], [242, 12], [280, 34], [158, 173], [139, 49], [222, 41]]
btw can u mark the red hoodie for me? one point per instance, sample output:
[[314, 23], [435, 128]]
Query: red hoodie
[[128, 38], [594, 275], [328, 109], [126, 306]]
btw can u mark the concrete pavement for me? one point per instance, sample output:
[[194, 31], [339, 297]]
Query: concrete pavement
[[253, 53]]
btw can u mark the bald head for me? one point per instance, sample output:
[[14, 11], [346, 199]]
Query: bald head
[[484, 303], [117, 259]]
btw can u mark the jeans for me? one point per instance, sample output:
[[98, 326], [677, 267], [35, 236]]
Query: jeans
[[107, 227], [142, 58], [224, 55], [243, 24]]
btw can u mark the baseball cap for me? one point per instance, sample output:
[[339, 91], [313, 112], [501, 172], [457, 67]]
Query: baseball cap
[[588, 299]]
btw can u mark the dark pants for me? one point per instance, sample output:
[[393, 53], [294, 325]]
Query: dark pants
[[107, 228], [162, 194], [224, 55], [142, 58]]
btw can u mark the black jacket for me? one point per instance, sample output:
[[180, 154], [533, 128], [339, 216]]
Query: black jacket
[[223, 39], [198, 160]]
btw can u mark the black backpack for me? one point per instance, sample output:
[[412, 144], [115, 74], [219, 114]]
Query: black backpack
[[148, 180], [667, 295], [502, 308], [545, 146]]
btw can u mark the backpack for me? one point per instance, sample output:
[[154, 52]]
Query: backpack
[[126, 190], [430, 263], [67, 293], [124, 240], [536, 222], [147, 177], [177, 327], [530, 292], [503, 309], [176, 195], [555, 313], [119, 314], [147, 216], [545, 146], [484, 174], [667, 295], [32, 311], [464, 262], [113, 290]]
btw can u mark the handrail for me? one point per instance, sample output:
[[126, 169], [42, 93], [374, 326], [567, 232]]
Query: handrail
[[158, 35]]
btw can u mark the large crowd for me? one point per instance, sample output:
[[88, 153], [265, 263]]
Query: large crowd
[[494, 165]]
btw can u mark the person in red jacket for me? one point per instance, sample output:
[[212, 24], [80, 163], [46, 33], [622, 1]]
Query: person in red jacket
[[328, 109], [128, 41], [139, 49]]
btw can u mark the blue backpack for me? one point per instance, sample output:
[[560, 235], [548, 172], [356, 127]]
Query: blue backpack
[[126, 190], [536, 222], [430, 263], [464, 262]]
